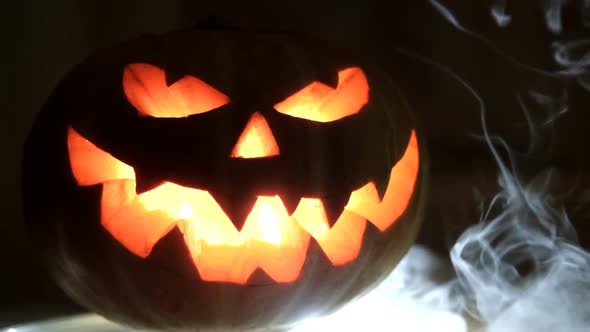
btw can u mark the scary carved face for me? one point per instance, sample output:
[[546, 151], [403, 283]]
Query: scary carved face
[[224, 179], [274, 229]]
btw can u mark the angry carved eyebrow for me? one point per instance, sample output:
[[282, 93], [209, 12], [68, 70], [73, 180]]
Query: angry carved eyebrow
[[322, 103]]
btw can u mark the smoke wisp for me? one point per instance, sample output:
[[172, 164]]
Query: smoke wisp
[[519, 268]]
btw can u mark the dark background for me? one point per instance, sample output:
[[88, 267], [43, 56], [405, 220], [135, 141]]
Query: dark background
[[42, 40]]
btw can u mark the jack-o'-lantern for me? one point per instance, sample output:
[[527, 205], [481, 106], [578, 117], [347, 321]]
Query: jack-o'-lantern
[[223, 179]]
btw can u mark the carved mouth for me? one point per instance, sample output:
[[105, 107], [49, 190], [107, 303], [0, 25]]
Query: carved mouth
[[271, 238]]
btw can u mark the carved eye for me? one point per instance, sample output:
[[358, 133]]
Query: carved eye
[[322, 103], [146, 89]]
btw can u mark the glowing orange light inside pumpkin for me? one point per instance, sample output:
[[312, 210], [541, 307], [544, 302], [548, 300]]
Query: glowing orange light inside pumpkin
[[186, 211], [342, 242], [271, 239], [319, 102], [92, 165], [146, 89], [257, 140], [268, 224]]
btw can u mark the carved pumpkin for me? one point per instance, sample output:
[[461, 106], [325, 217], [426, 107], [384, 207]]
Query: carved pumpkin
[[222, 179]]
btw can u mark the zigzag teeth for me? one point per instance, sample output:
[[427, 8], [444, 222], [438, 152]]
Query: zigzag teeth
[[333, 207], [222, 253], [237, 206], [279, 248], [291, 202]]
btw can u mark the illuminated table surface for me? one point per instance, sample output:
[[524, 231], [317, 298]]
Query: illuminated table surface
[[414, 297]]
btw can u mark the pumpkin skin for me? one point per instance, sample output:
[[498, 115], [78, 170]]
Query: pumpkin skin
[[325, 160]]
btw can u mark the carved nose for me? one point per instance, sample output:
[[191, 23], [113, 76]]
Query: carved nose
[[256, 140]]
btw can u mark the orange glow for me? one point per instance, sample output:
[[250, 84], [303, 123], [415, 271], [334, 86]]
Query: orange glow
[[134, 226], [256, 140], [271, 239], [402, 179], [90, 165], [146, 89], [342, 242], [319, 102], [220, 252]]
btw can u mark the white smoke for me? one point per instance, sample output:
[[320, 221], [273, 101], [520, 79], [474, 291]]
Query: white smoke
[[520, 267], [552, 10], [498, 12], [574, 57], [417, 296]]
